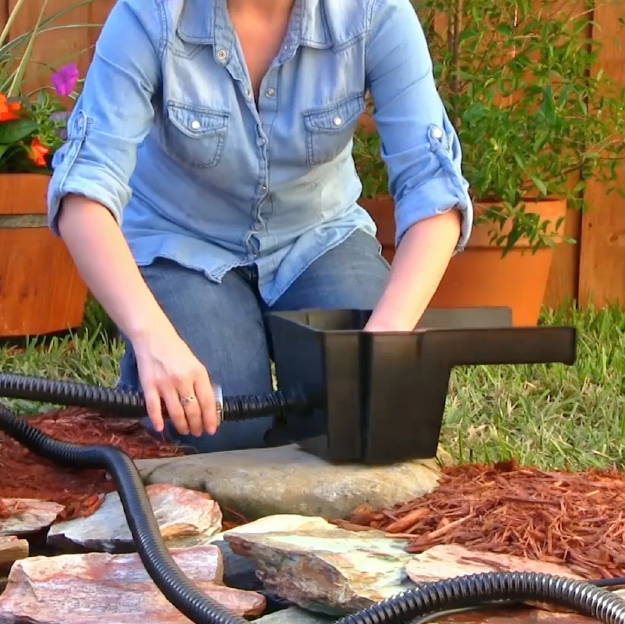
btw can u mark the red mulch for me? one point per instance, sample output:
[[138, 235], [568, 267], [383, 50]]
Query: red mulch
[[573, 518], [25, 475]]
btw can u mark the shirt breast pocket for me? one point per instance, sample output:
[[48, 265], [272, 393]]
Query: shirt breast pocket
[[195, 135], [330, 129]]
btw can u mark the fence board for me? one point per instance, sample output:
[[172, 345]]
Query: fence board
[[4, 12], [602, 265], [53, 49]]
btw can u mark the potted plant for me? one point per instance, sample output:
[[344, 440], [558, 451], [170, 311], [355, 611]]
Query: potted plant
[[40, 288], [536, 123]]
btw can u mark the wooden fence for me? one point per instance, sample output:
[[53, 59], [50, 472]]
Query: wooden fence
[[592, 270]]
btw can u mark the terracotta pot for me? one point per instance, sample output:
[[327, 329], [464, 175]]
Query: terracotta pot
[[480, 276], [40, 289]]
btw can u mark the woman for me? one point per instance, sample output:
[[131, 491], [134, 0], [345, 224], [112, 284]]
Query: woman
[[208, 178]]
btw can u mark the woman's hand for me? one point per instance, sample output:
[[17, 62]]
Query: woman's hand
[[168, 370], [173, 377]]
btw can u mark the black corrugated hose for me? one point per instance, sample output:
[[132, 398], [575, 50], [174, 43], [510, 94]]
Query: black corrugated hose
[[467, 591]]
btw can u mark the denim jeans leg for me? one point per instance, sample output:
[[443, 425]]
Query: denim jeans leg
[[223, 325], [352, 275]]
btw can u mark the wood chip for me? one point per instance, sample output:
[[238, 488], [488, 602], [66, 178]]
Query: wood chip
[[574, 519]]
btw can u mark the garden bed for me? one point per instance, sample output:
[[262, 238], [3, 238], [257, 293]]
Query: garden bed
[[26, 475], [571, 518]]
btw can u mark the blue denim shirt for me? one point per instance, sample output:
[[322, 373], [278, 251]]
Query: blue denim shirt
[[168, 136]]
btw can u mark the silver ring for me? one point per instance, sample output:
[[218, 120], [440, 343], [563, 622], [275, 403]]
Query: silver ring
[[187, 399], [219, 403]]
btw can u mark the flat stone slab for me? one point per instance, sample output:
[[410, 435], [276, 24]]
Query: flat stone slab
[[320, 567], [295, 615], [287, 479], [100, 588], [450, 560], [182, 514], [28, 515], [11, 549]]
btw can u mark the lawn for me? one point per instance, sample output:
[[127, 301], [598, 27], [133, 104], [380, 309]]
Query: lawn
[[548, 415]]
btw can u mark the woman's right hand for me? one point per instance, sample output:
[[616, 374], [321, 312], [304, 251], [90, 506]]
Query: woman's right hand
[[169, 372]]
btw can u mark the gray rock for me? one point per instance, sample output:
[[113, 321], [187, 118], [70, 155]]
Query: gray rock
[[185, 517], [286, 479], [320, 567], [11, 549], [101, 588], [294, 615], [28, 515]]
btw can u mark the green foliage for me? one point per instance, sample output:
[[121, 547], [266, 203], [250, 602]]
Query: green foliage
[[32, 123], [534, 116], [371, 169]]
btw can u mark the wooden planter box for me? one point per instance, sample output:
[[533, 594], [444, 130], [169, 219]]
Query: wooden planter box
[[479, 276], [40, 289]]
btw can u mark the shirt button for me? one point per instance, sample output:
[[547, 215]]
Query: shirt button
[[337, 121], [248, 92], [437, 133], [262, 141], [222, 54], [195, 124], [263, 187], [258, 227], [270, 92]]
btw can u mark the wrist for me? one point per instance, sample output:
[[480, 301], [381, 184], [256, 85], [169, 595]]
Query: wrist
[[144, 329]]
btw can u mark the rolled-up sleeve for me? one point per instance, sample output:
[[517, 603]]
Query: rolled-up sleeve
[[113, 113], [419, 144]]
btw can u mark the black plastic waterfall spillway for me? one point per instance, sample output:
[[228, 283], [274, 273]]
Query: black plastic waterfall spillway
[[380, 397]]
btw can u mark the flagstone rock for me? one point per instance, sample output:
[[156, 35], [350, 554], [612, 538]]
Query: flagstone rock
[[320, 567], [287, 479], [185, 517], [27, 515], [295, 615], [450, 560], [11, 549], [101, 588]]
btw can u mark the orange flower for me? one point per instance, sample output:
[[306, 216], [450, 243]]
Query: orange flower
[[9, 110], [38, 152]]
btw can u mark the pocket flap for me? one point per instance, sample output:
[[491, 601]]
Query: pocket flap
[[336, 117], [195, 121]]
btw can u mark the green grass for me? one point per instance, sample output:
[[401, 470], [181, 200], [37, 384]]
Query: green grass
[[551, 415], [548, 415], [91, 355]]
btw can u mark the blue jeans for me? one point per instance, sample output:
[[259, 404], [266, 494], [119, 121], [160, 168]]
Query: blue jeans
[[224, 324]]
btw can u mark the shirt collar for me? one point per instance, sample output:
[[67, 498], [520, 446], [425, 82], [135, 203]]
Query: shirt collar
[[198, 18]]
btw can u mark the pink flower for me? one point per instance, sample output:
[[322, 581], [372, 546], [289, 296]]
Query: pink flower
[[65, 79]]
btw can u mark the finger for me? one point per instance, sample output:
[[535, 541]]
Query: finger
[[192, 409], [153, 406], [174, 408], [206, 402]]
